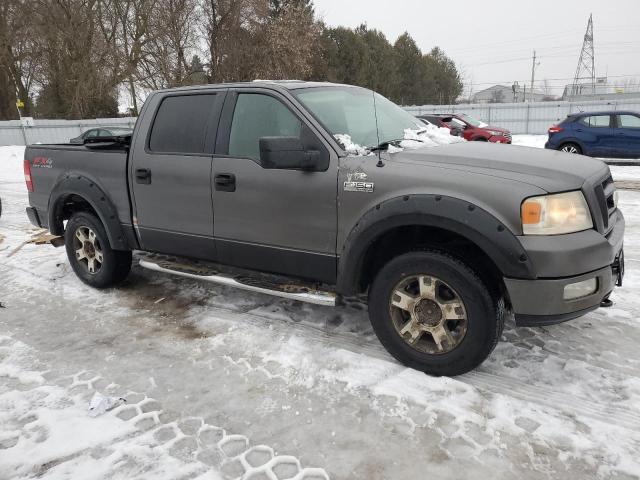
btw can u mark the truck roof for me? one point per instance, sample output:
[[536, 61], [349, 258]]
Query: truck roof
[[274, 84]]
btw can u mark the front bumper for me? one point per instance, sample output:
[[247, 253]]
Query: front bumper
[[542, 302], [500, 139], [559, 262]]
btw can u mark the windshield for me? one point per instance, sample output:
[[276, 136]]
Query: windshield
[[120, 131], [472, 121], [350, 113]]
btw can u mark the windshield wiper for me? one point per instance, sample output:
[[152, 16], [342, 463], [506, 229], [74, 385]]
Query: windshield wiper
[[385, 145]]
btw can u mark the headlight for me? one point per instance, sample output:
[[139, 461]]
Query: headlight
[[495, 133], [556, 214]]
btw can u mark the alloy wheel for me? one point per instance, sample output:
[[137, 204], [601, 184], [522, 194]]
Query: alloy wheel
[[428, 314], [88, 249]]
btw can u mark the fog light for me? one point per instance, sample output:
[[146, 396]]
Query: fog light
[[580, 289]]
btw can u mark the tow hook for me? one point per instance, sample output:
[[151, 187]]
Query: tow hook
[[606, 303]]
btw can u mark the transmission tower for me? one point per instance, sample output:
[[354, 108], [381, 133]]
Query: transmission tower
[[586, 65]]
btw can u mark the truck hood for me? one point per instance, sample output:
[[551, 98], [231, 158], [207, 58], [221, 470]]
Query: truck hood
[[549, 170]]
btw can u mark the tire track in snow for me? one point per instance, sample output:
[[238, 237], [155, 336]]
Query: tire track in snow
[[484, 381]]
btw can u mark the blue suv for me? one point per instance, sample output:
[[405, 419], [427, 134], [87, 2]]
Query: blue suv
[[598, 134]]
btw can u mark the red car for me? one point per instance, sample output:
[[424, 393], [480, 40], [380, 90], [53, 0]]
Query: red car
[[469, 128]]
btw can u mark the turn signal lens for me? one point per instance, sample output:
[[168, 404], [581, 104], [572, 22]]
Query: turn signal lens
[[531, 213], [556, 214]]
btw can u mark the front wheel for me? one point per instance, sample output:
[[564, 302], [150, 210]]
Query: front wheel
[[434, 314], [90, 254]]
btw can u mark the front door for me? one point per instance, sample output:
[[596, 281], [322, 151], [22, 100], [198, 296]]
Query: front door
[[627, 135], [281, 221], [170, 173]]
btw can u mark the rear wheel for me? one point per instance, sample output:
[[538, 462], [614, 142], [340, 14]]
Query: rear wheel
[[570, 148], [433, 313], [90, 253]]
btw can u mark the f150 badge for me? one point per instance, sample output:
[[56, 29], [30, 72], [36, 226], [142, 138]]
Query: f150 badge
[[356, 182]]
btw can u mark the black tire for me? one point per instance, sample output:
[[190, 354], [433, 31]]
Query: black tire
[[570, 148], [115, 265], [484, 314]]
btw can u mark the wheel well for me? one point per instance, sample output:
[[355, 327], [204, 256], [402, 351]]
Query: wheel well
[[570, 142], [480, 139], [420, 237], [66, 207]]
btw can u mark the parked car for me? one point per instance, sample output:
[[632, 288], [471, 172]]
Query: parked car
[[439, 121], [598, 134], [102, 132], [471, 128], [257, 178]]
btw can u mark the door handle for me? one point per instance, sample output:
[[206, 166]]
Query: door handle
[[225, 182], [143, 175]]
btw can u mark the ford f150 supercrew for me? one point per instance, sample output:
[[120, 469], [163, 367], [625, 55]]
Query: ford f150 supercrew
[[317, 192]]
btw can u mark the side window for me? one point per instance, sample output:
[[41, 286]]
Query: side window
[[181, 122], [91, 134], [255, 116], [629, 121], [596, 121]]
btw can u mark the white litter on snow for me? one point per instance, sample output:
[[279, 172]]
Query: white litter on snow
[[101, 404]]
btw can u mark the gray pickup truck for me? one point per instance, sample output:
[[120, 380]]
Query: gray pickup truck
[[319, 192]]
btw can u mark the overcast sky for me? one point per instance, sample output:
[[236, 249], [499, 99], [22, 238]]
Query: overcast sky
[[493, 42]]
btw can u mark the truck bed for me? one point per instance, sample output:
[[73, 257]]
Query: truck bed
[[107, 167]]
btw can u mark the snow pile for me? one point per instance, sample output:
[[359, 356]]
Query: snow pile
[[349, 146], [428, 136]]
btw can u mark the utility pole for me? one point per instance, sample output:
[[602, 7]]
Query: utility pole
[[533, 75]]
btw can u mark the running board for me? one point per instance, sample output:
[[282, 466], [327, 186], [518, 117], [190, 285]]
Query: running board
[[290, 291]]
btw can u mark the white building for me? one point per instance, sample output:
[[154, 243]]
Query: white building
[[505, 94]]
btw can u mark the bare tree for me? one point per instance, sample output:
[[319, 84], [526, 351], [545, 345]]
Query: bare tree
[[78, 78], [127, 31], [175, 26], [18, 57]]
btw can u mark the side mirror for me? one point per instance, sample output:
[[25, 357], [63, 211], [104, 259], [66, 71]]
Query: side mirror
[[287, 153]]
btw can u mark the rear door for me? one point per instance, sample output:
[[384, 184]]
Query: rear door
[[627, 135], [170, 172], [275, 220], [595, 132]]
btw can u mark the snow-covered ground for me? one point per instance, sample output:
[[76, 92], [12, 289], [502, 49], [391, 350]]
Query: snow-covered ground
[[221, 383]]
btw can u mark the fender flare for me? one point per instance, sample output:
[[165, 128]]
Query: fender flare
[[447, 213], [77, 184]]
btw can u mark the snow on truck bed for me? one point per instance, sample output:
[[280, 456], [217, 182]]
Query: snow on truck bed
[[222, 383]]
